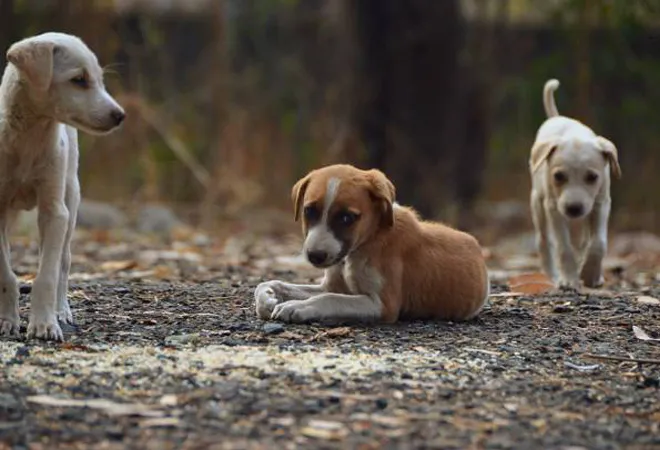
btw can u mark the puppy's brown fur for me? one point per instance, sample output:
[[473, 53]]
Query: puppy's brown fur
[[396, 265]]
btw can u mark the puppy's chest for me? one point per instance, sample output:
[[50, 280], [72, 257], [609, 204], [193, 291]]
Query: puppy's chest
[[22, 169], [361, 277]]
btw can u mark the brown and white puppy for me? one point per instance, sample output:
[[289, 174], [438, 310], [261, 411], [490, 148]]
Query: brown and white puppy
[[382, 263], [570, 168]]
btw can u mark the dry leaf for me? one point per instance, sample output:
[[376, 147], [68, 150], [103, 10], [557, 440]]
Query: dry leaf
[[389, 421], [326, 430], [586, 368], [643, 335], [531, 283], [338, 332], [160, 422], [109, 407], [333, 333], [118, 266], [169, 400], [506, 295], [646, 300]]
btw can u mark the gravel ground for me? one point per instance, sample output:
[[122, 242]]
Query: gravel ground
[[167, 353]]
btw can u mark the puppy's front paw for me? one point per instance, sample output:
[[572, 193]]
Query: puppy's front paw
[[65, 315], [9, 320], [569, 283], [9, 326], [265, 301], [294, 311], [45, 329], [592, 277]]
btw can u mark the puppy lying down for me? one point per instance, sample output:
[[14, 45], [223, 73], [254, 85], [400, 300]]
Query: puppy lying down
[[382, 263]]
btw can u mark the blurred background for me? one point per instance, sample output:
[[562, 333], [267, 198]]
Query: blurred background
[[230, 101]]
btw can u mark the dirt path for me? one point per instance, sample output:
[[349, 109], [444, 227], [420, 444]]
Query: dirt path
[[172, 357]]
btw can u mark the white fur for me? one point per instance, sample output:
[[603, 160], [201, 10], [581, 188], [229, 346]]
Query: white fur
[[39, 107], [572, 150], [278, 300], [320, 237]]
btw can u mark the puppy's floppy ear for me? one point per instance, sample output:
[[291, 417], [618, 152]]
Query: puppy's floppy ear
[[298, 194], [611, 155], [34, 59], [541, 152], [383, 191]]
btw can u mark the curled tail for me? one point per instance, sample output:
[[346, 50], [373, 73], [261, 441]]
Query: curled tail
[[549, 97]]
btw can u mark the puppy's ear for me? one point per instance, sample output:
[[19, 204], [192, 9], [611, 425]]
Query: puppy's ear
[[383, 191], [611, 155], [541, 152], [34, 59], [298, 194]]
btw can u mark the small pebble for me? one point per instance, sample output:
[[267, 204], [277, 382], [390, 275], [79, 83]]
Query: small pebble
[[273, 328], [651, 382], [381, 403], [22, 352]]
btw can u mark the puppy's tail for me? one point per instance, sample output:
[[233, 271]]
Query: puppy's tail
[[549, 98]]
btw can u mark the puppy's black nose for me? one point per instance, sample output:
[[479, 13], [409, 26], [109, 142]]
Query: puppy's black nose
[[118, 116], [574, 209], [317, 257]]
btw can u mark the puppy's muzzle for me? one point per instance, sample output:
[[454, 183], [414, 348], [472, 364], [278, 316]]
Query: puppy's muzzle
[[318, 258], [574, 210]]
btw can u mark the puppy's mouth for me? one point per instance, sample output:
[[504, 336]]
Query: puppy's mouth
[[91, 129], [323, 263]]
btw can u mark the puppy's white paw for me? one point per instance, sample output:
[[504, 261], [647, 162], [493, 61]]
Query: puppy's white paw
[[9, 320], [294, 311], [592, 277], [265, 301], [569, 283], [9, 326], [65, 315], [45, 329]]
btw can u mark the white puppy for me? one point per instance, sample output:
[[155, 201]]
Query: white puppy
[[570, 167], [52, 85]]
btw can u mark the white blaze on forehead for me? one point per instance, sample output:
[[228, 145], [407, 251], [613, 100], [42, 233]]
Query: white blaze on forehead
[[320, 236], [330, 195]]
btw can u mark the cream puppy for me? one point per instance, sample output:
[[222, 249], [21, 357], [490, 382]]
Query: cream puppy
[[52, 85], [382, 263], [570, 201]]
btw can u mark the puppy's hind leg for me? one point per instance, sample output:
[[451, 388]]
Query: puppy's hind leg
[[9, 319], [541, 228], [592, 269], [72, 201]]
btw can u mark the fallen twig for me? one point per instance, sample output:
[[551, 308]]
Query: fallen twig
[[622, 358]]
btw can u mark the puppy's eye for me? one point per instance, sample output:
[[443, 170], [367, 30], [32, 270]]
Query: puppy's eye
[[79, 81], [591, 178], [347, 218], [560, 177], [311, 213]]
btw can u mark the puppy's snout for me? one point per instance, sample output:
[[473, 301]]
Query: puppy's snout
[[574, 210], [317, 257], [117, 116]]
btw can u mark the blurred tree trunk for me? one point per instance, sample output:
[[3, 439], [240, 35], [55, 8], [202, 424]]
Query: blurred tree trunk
[[582, 56], [7, 21], [419, 112]]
